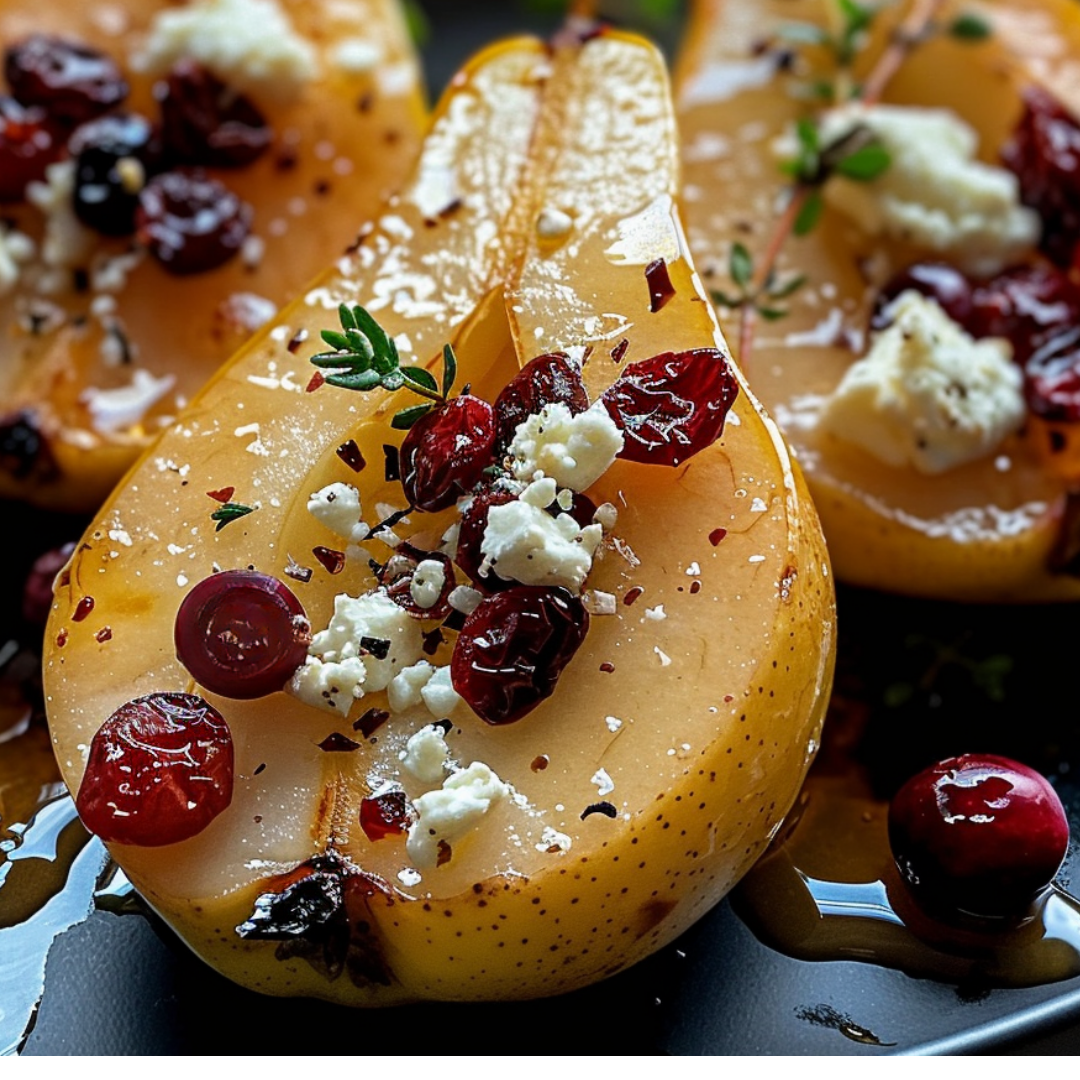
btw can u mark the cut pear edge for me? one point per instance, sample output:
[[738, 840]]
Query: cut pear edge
[[984, 532], [676, 740]]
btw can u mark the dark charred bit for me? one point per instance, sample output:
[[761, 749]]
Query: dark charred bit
[[377, 647], [432, 640], [392, 468], [335, 742], [604, 807], [1065, 555], [349, 452], [24, 449], [659, 281], [370, 722]]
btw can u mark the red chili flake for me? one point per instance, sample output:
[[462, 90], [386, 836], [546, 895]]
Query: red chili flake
[[540, 763], [349, 452], [316, 380], [604, 808], [222, 495], [432, 640], [370, 722], [83, 608], [695, 588], [385, 814], [297, 340], [607, 667], [716, 536], [61, 639], [445, 854], [333, 561], [660, 288], [335, 742], [103, 635], [620, 350], [632, 594]]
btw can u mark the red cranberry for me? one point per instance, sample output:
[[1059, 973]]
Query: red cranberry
[[979, 834], [671, 406], [542, 381], [241, 633], [24, 448], [27, 144], [397, 578], [38, 592], [1044, 152], [191, 223], [445, 452], [72, 82], [385, 814], [512, 649], [471, 528], [939, 281], [204, 122], [1052, 377], [160, 770], [106, 193]]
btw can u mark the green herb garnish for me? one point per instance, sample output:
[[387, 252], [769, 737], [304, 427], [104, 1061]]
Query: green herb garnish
[[228, 513]]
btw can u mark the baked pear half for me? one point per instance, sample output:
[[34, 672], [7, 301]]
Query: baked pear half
[[493, 705], [916, 336], [170, 175]]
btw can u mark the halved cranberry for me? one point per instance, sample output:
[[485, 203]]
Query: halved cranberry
[[241, 633], [385, 814], [160, 770], [938, 281], [471, 526], [205, 122], [191, 223], [979, 834], [71, 81], [671, 406], [512, 649], [114, 155], [445, 452], [542, 381], [398, 576], [1044, 152], [27, 144]]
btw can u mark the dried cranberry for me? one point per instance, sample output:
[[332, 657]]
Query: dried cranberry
[[473, 522], [398, 574], [71, 81], [191, 223], [24, 449], [938, 281], [1052, 377], [113, 156], [671, 406], [1044, 152], [37, 596], [205, 122], [978, 833], [27, 144], [512, 649], [160, 770], [446, 451], [385, 814], [542, 381], [241, 633]]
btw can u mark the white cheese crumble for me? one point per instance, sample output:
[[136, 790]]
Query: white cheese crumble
[[123, 407], [451, 812], [249, 44], [439, 694], [338, 507], [67, 242], [934, 193], [428, 581], [523, 542], [575, 450], [16, 248], [338, 670], [404, 689], [927, 394], [426, 754]]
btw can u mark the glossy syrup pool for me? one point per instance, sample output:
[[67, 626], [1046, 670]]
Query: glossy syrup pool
[[916, 682]]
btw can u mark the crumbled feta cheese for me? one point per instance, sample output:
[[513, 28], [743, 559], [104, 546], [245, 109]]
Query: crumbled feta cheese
[[249, 44], [123, 407], [404, 689], [599, 603], [67, 242], [439, 694], [337, 506], [426, 754], [356, 55], [451, 812], [574, 449], [927, 394], [16, 248], [525, 543], [934, 193], [427, 583], [338, 671], [465, 599], [552, 840]]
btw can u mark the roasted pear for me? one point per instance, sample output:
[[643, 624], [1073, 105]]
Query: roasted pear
[[963, 489], [171, 175], [627, 739]]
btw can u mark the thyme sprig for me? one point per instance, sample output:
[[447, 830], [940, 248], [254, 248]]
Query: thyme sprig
[[764, 298], [363, 357]]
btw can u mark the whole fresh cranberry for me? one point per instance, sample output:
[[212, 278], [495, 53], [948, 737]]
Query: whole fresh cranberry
[[512, 649], [160, 770], [544, 380], [70, 81], [671, 406], [444, 454], [190, 222], [28, 143], [1044, 152], [978, 834], [241, 633]]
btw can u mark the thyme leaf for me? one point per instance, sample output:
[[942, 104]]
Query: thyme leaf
[[229, 513]]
